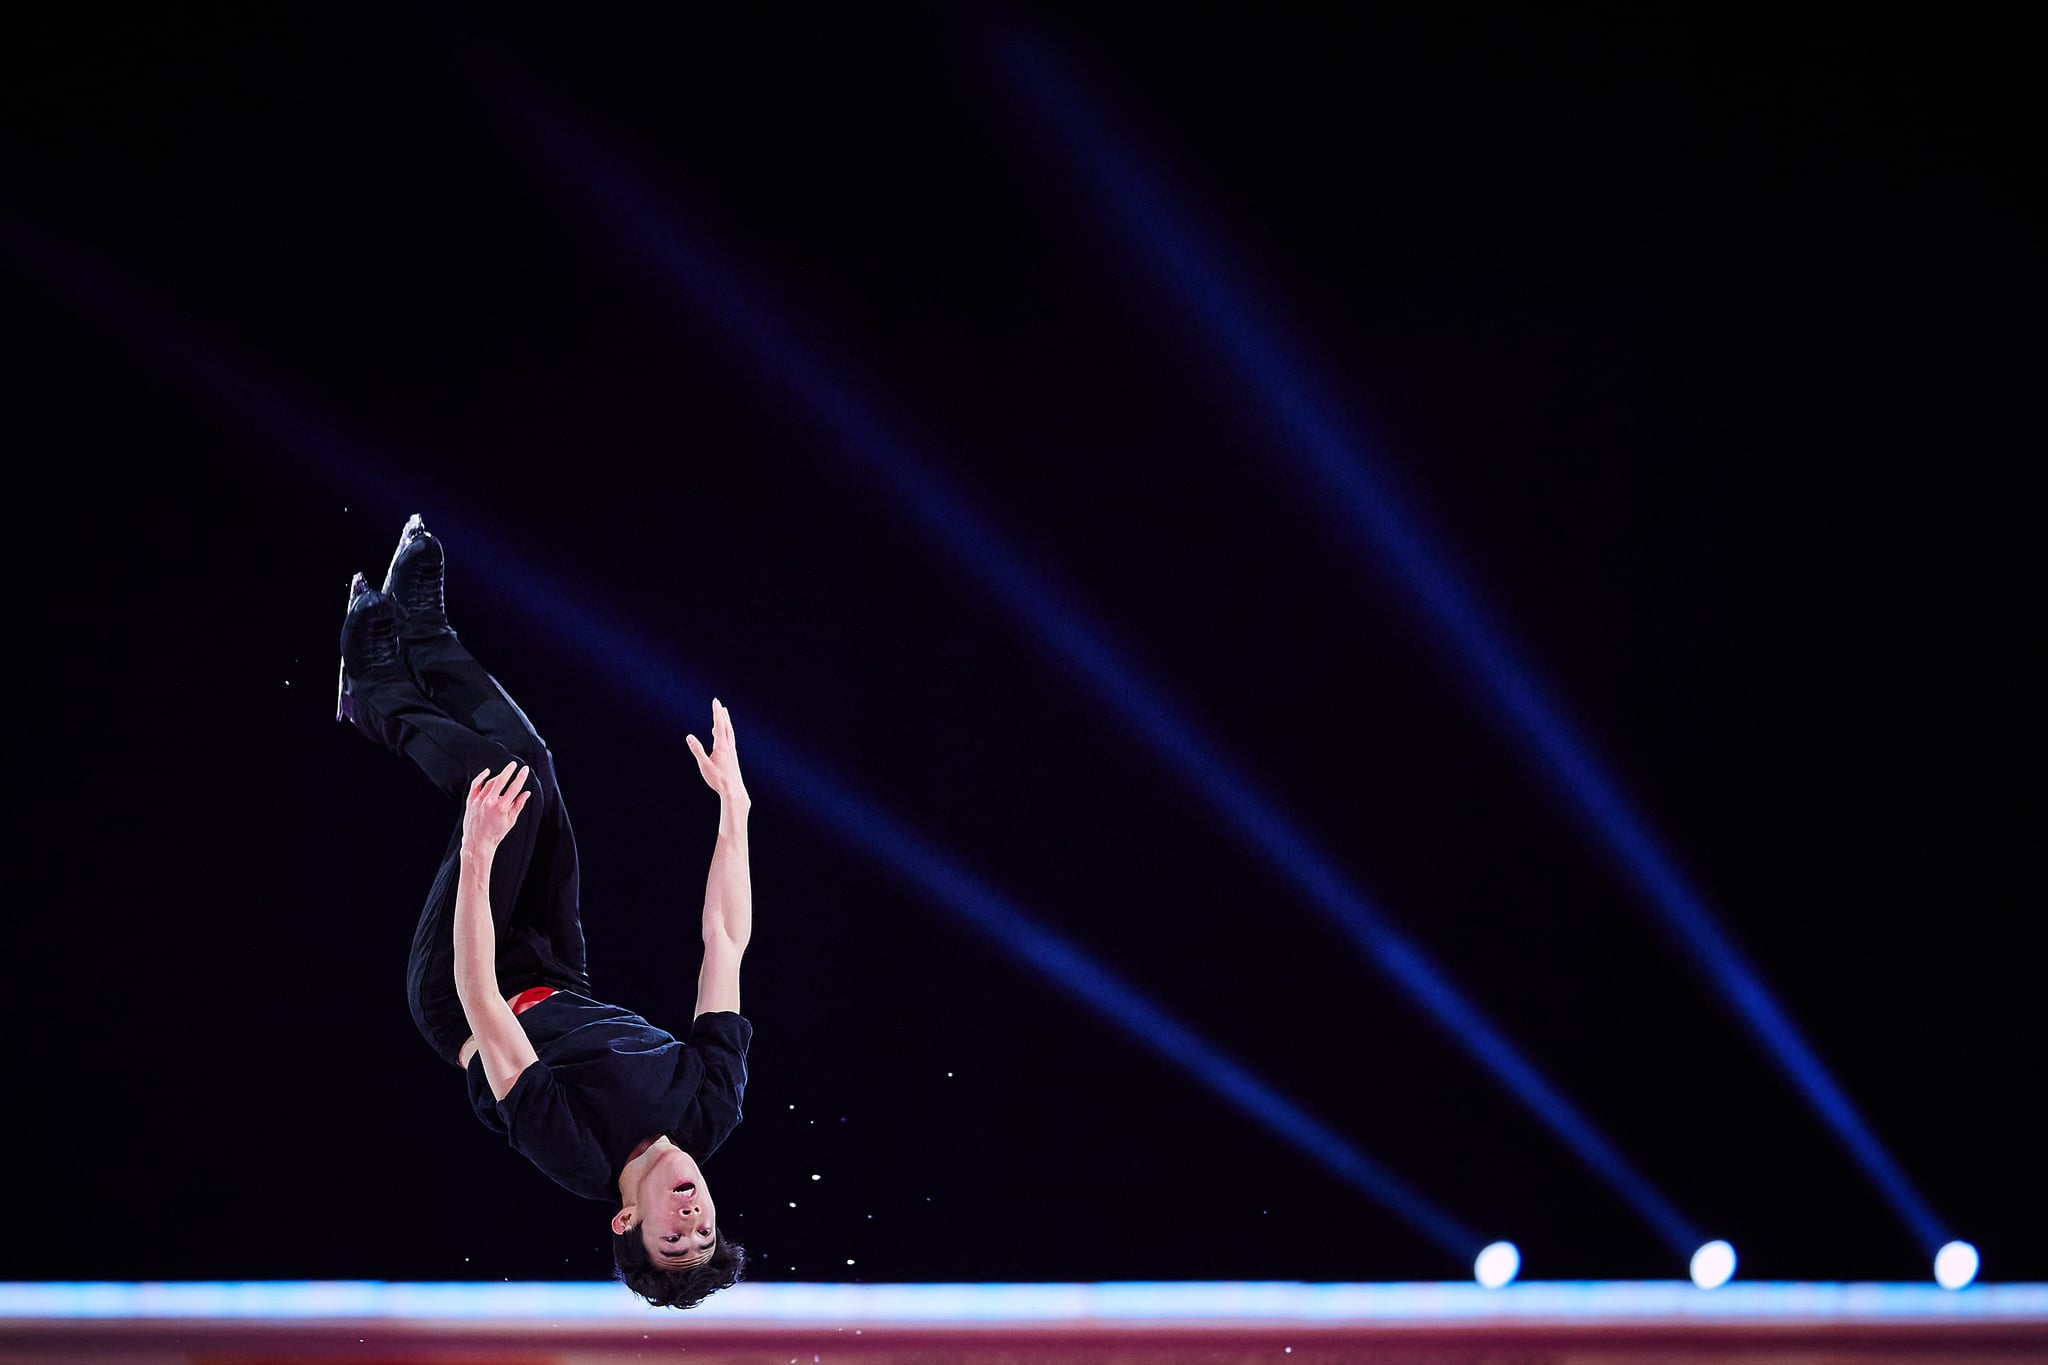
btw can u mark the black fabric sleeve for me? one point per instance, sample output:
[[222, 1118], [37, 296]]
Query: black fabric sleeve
[[480, 1098], [720, 1041], [543, 1125]]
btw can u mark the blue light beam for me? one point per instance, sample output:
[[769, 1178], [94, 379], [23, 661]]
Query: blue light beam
[[1169, 247], [866, 827], [701, 284], [320, 446]]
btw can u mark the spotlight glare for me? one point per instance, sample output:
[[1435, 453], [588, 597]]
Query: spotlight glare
[[1497, 1265], [1955, 1265], [1712, 1264]]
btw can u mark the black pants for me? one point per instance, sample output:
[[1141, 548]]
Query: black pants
[[455, 721]]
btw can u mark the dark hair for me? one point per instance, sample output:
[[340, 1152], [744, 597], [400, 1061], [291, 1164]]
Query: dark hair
[[686, 1288]]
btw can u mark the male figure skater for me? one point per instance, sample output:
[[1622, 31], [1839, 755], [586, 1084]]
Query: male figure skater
[[606, 1104]]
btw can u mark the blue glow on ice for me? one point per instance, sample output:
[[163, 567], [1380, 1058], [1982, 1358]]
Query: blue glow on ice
[[1230, 1301]]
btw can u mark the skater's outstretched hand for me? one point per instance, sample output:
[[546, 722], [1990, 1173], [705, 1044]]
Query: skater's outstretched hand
[[494, 805], [721, 767]]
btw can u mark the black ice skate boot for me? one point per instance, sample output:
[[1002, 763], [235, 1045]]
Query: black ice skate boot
[[427, 645], [416, 581], [375, 686]]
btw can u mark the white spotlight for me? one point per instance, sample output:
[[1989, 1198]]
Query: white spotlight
[[1712, 1264], [1497, 1265], [1955, 1265]]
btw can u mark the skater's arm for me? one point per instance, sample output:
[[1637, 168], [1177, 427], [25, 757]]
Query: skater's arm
[[728, 889], [493, 805], [728, 917]]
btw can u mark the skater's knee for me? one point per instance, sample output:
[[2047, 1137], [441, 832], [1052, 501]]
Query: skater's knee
[[540, 773], [540, 766], [537, 787], [493, 757], [490, 756]]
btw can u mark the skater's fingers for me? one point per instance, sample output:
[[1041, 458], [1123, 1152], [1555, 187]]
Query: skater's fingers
[[478, 781], [695, 747], [519, 782], [497, 787], [520, 804]]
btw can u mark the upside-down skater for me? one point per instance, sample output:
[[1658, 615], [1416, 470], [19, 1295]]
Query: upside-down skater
[[606, 1104]]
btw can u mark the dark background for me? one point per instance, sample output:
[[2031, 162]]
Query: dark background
[[1698, 340]]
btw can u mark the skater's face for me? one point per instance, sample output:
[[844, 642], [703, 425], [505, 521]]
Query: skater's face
[[678, 1221]]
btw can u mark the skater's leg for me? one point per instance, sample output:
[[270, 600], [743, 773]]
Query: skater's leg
[[543, 944], [533, 908], [522, 880], [539, 928], [447, 674], [387, 706], [385, 703], [456, 683], [539, 935]]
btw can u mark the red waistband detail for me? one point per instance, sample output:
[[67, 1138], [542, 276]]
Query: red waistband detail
[[529, 997]]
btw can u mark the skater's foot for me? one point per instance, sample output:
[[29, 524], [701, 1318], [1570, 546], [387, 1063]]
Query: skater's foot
[[415, 580], [369, 655], [369, 634]]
